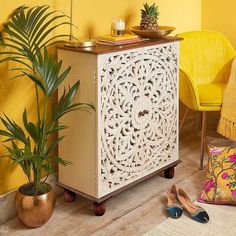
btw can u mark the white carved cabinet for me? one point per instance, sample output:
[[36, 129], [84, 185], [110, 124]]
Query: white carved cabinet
[[133, 134]]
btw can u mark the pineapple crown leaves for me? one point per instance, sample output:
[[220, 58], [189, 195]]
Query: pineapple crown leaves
[[150, 10]]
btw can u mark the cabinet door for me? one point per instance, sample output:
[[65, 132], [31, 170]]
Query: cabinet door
[[120, 128], [160, 89], [137, 114]]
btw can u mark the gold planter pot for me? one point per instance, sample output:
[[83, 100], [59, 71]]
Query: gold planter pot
[[34, 211]]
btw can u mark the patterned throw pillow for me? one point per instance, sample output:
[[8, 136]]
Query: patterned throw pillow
[[220, 185]]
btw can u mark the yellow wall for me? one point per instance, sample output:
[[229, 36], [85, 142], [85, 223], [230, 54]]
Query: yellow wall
[[93, 17], [219, 15]]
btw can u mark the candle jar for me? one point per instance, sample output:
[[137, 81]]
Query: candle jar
[[118, 27]]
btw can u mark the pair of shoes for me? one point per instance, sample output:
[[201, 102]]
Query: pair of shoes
[[177, 200]]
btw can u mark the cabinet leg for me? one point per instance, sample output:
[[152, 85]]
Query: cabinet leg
[[170, 172], [69, 196], [99, 208]]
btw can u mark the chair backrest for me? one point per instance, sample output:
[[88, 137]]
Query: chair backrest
[[205, 56]]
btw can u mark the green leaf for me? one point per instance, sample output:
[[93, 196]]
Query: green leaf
[[36, 81], [15, 130], [65, 101], [48, 42], [53, 145], [6, 134], [42, 38], [35, 18], [30, 127], [62, 77], [18, 38], [59, 160], [39, 20], [55, 128]]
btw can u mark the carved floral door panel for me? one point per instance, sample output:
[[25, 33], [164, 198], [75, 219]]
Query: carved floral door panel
[[137, 114], [161, 131]]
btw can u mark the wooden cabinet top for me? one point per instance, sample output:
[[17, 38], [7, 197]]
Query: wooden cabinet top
[[103, 49]]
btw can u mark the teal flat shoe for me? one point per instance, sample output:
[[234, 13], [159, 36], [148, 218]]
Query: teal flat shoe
[[173, 209], [195, 212], [200, 215]]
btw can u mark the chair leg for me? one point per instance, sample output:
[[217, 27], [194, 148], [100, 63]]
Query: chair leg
[[203, 139], [183, 119]]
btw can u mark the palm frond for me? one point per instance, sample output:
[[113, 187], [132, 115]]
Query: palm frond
[[15, 132], [25, 37], [28, 28]]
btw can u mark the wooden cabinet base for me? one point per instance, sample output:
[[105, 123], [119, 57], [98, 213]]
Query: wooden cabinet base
[[99, 204], [99, 208], [69, 195], [170, 172]]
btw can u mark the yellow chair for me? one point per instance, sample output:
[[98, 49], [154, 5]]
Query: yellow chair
[[205, 61]]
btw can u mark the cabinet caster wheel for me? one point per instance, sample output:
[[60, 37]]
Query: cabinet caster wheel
[[169, 173], [69, 196], [99, 208]]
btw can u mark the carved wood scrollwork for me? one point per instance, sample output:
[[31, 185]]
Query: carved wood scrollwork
[[138, 113]]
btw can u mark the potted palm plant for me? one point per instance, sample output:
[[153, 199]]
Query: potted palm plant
[[25, 38]]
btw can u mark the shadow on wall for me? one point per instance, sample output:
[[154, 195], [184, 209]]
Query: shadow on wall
[[128, 17], [5, 87], [90, 29]]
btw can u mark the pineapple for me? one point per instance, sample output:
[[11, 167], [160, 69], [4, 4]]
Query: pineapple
[[149, 17]]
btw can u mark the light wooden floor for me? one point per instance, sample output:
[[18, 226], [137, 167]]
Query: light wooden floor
[[132, 212]]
